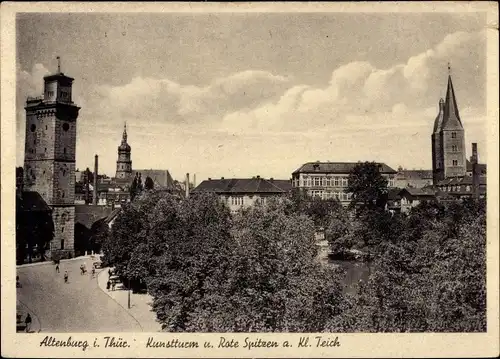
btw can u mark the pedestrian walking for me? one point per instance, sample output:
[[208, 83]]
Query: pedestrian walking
[[57, 267], [108, 285], [66, 277], [113, 285], [93, 272], [109, 272], [27, 321]]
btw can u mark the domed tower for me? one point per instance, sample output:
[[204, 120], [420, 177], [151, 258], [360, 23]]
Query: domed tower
[[437, 146], [124, 163]]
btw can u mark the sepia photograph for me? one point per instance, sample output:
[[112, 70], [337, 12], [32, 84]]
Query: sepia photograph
[[250, 172]]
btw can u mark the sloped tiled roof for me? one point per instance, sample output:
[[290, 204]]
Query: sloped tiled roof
[[161, 178], [414, 174], [88, 215], [466, 180], [244, 185], [418, 192], [32, 201], [336, 167]]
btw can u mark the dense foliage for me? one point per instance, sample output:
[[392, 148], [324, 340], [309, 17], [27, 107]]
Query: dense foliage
[[367, 185], [208, 270]]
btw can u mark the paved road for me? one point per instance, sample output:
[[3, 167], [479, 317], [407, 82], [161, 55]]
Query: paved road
[[76, 306]]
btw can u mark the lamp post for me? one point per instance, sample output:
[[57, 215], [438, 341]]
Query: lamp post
[[129, 293]]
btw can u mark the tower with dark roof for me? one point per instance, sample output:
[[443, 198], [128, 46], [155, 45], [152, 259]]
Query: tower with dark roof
[[124, 162], [49, 156], [448, 139]]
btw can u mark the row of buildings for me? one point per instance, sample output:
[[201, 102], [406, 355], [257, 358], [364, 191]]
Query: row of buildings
[[78, 199]]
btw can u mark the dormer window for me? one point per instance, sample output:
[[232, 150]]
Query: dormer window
[[453, 135]]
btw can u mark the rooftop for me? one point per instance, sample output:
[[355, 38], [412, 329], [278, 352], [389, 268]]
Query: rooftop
[[244, 185], [31, 201], [337, 167]]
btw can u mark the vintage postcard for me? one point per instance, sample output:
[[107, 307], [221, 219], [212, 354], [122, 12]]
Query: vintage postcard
[[249, 180]]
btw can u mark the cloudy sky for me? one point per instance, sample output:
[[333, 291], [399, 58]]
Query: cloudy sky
[[244, 94]]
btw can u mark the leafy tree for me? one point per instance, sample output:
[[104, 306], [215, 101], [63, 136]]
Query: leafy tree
[[149, 184], [367, 186], [133, 188]]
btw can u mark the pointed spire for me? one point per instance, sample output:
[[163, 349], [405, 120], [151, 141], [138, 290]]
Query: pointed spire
[[451, 115], [124, 138]]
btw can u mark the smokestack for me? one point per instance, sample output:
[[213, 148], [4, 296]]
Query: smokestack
[[187, 185], [475, 171], [194, 180], [94, 197]]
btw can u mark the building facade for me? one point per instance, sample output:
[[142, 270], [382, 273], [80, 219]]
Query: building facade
[[330, 179], [49, 156], [448, 139], [243, 193], [124, 162]]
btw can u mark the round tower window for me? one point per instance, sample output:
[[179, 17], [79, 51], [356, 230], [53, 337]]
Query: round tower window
[[33, 127], [65, 126]]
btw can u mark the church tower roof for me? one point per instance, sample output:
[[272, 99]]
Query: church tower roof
[[124, 145], [438, 122], [451, 118]]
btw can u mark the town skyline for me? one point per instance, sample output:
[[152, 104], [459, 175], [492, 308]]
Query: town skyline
[[233, 99]]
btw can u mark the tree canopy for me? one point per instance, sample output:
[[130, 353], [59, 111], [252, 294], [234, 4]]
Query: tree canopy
[[367, 185]]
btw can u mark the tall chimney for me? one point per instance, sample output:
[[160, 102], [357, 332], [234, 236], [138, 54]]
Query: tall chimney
[[187, 185], [87, 186], [475, 171], [194, 180], [96, 166]]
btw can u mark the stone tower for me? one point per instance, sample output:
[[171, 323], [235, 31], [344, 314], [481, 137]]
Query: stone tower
[[124, 163], [49, 155], [448, 139]]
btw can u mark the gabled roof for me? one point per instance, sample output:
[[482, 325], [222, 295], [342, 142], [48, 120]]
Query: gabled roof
[[336, 167], [244, 185], [451, 117], [87, 215], [31, 201]]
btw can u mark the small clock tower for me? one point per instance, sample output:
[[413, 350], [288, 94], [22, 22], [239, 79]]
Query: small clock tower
[[49, 156]]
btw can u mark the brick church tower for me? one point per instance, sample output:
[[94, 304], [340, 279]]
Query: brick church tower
[[448, 139], [124, 162], [49, 156]]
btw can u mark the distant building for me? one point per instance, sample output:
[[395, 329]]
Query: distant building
[[161, 178], [124, 162], [330, 179], [412, 197], [412, 178], [240, 193]]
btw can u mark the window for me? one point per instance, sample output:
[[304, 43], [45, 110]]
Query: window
[[62, 243], [391, 182], [455, 163], [237, 201], [46, 127], [317, 181], [467, 188], [65, 126], [64, 150], [50, 93], [63, 194], [308, 182], [454, 148], [344, 182], [336, 182], [33, 127], [324, 182], [45, 149], [453, 135]]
